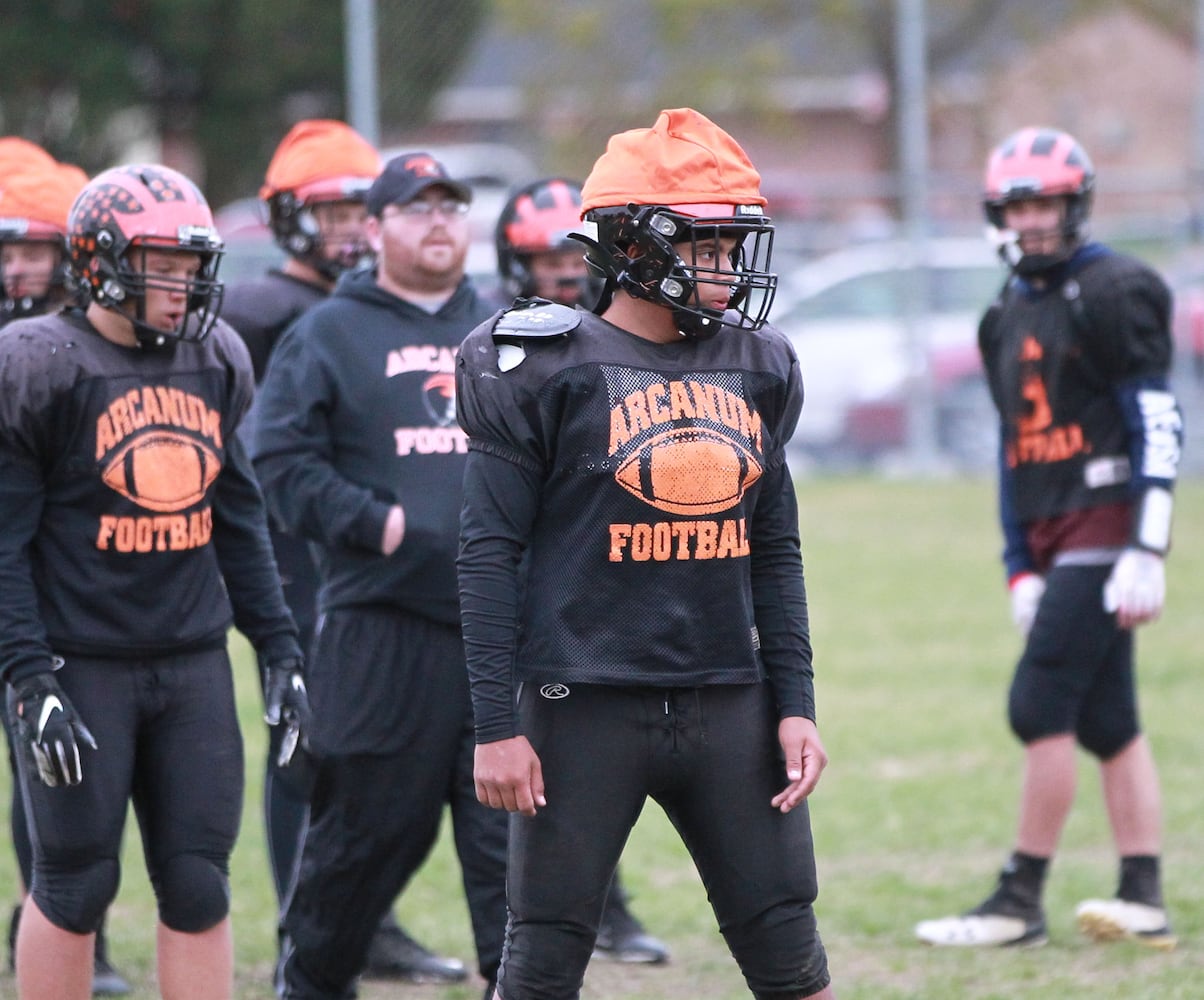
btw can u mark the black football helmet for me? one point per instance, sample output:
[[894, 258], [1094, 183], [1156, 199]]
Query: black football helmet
[[634, 250]]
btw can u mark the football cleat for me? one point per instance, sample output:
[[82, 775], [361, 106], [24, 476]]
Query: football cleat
[[622, 938], [985, 930], [1120, 920], [393, 954]]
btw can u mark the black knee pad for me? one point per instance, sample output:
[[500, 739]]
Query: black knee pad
[[1104, 738], [780, 952], [75, 899], [193, 893], [1028, 716]]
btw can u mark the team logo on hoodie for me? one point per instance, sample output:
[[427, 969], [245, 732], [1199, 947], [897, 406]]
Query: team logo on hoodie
[[440, 435], [439, 398]]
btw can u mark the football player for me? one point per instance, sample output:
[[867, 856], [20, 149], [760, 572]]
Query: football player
[[132, 535], [313, 195], [36, 193], [538, 258], [33, 245], [627, 467], [1077, 350], [535, 254]]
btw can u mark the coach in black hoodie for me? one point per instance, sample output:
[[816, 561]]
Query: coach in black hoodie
[[358, 449]]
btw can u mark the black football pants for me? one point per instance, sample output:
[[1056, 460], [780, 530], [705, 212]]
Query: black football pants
[[709, 756]]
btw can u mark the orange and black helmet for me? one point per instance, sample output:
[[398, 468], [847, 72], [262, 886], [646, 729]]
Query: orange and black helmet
[[319, 160], [1038, 162], [34, 205], [538, 218], [124, 212]]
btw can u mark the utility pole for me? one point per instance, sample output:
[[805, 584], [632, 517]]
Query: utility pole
[[1196, 179], [912, 88], [362, 73]]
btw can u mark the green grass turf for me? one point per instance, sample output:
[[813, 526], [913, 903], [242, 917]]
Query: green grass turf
[[914, 648]]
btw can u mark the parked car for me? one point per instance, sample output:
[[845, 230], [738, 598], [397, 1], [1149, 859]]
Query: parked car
[[860, 360]]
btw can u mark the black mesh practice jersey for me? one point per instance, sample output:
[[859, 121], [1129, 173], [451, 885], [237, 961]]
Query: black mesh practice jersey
[[261, 310], [130, 520], [645, 489], [1058, 356]]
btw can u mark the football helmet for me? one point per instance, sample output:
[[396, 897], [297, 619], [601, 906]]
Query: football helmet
[[319, 160], [126, 211], [634, 248], [538, 218], [34, 205], [1039, 163], [683, 182]]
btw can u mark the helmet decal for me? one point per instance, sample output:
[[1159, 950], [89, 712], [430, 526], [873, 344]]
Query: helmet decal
[[98, 208]]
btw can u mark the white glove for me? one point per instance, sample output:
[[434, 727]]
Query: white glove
[[1026, 589], [1137, 588]]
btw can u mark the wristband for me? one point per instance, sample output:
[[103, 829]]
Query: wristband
[[1152, 520]]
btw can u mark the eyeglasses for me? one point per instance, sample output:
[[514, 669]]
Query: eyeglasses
[[420, 208]]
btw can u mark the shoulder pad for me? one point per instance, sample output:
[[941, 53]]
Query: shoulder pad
[[534, 319]]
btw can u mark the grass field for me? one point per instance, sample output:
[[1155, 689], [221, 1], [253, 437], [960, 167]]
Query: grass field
[[914, 647]]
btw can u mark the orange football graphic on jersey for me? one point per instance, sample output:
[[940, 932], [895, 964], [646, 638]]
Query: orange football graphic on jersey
[[689, 470], [162, 470]]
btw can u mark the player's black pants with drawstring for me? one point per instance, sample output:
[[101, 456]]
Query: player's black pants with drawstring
[[710, 757], [167, 736], [1077, 673]]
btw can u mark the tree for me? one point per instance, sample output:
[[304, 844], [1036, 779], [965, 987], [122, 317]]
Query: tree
[[218, 82]]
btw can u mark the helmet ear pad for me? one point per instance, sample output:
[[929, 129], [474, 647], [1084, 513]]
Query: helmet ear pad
[[294, 228]]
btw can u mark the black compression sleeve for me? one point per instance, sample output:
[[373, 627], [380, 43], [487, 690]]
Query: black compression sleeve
[[500, 501]]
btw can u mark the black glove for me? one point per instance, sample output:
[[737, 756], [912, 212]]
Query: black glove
[[285, 701], [45, 720]]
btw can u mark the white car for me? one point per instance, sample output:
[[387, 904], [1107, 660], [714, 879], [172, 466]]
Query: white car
[[861, 361]]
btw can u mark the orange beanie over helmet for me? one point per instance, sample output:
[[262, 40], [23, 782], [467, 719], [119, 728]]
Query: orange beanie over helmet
[[321, 158], [42, 196], [18, 155], [684, 159]]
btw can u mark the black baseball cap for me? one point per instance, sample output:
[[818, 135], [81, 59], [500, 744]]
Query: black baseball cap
[[405, 177]]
